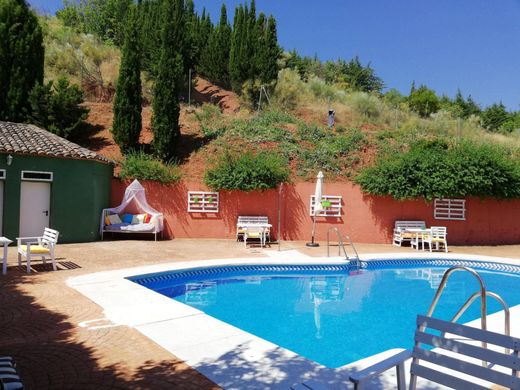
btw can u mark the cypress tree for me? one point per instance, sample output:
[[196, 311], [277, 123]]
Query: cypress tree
[[150, 34], [250, 70], [192, 26], [260, 52], [21, 58], [215, 59], [272, 53], [126, 126], [236, 49], [166, 108]]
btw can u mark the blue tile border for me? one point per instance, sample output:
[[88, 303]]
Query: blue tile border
[[267, 269]]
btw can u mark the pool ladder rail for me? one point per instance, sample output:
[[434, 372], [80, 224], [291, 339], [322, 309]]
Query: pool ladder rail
[[341, 246], [483, 293]]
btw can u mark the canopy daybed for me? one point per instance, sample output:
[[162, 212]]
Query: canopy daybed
[[133, 215]]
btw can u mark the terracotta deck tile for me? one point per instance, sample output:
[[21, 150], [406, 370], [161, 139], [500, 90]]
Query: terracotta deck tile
[[40, 316]]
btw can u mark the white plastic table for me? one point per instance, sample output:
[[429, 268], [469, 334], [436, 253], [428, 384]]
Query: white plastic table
[[417, 232], [5, 242]]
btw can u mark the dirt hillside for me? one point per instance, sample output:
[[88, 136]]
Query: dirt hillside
[[99, 138]]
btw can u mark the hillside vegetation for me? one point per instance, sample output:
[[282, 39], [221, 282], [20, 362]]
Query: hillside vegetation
[[371, 127], [415, 145]]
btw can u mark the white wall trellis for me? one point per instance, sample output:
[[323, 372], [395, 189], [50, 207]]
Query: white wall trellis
[[454, 209], [203, 202], [331, 206]]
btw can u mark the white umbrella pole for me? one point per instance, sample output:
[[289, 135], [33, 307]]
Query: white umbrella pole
[[312, 243]]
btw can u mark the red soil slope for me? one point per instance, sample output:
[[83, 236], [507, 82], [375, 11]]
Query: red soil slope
[[100, 140]]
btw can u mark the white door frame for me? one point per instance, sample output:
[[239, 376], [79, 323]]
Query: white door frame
[[35, 203]]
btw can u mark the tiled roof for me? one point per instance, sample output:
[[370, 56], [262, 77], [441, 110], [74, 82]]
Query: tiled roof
[[21, 138]]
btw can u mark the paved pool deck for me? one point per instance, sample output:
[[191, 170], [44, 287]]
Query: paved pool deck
[[59, 337]]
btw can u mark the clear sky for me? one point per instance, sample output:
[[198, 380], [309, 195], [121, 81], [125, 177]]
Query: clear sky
[[473, 45]]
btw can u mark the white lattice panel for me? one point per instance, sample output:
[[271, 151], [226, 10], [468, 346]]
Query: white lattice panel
[[449, 209], [202, 202], [331, 206]]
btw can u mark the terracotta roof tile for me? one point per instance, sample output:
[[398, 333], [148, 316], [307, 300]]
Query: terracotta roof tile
[[21, 138]]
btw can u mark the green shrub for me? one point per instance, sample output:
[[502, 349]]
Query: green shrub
[[367, 105], [268, 126], [311, 133], [138, 165], [423, 101], [435, 169], [247, 172], [331, 152], [288, 89], [57, 107], [211, 122]]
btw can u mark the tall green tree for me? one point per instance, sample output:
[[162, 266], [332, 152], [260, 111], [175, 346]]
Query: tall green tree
[[166, 108], [359, 77], [150, 35], [237, 42], [21, 58], [215, 59], [126, 126], [269, 70]]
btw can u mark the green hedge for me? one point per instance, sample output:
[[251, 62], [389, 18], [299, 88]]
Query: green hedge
[[434, 169], [141, 166], [247, 172]]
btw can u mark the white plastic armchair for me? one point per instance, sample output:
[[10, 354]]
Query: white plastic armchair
[[258, 232], [436, 238], [42, 247]]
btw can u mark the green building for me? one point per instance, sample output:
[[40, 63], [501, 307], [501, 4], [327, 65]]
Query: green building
[[47, 181]]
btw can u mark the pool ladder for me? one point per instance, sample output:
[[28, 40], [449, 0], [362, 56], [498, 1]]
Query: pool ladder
[[483, 293], [341, 246]]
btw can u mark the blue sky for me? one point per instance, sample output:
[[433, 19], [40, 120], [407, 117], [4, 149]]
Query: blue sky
[[472, 45]]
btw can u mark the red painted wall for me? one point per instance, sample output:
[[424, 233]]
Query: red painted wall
[[366, 218]]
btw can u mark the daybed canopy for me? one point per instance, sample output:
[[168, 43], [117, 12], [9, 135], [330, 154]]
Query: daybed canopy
[[135, 201]]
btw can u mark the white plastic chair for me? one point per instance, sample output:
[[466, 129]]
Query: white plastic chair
[[43, 247], [436, 237], [455, 362], [257, 232]]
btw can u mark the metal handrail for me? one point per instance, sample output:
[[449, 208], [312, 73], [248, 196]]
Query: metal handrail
[[483, 302], [353, 247], [340, 242], [341, 245], [507, 314]]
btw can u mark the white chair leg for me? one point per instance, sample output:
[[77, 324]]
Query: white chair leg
[[28, 258], [53, 258]]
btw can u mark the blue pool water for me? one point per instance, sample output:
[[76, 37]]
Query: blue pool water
[[330, 316]]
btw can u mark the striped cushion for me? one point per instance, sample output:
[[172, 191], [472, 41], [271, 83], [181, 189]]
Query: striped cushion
[[36, 249]]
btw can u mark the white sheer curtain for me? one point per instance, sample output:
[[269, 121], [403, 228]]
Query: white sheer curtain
[[135, 193]]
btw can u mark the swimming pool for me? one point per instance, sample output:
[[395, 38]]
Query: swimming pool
[[327, 313]]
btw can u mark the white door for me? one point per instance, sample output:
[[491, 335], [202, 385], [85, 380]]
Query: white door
[[35, 201]]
